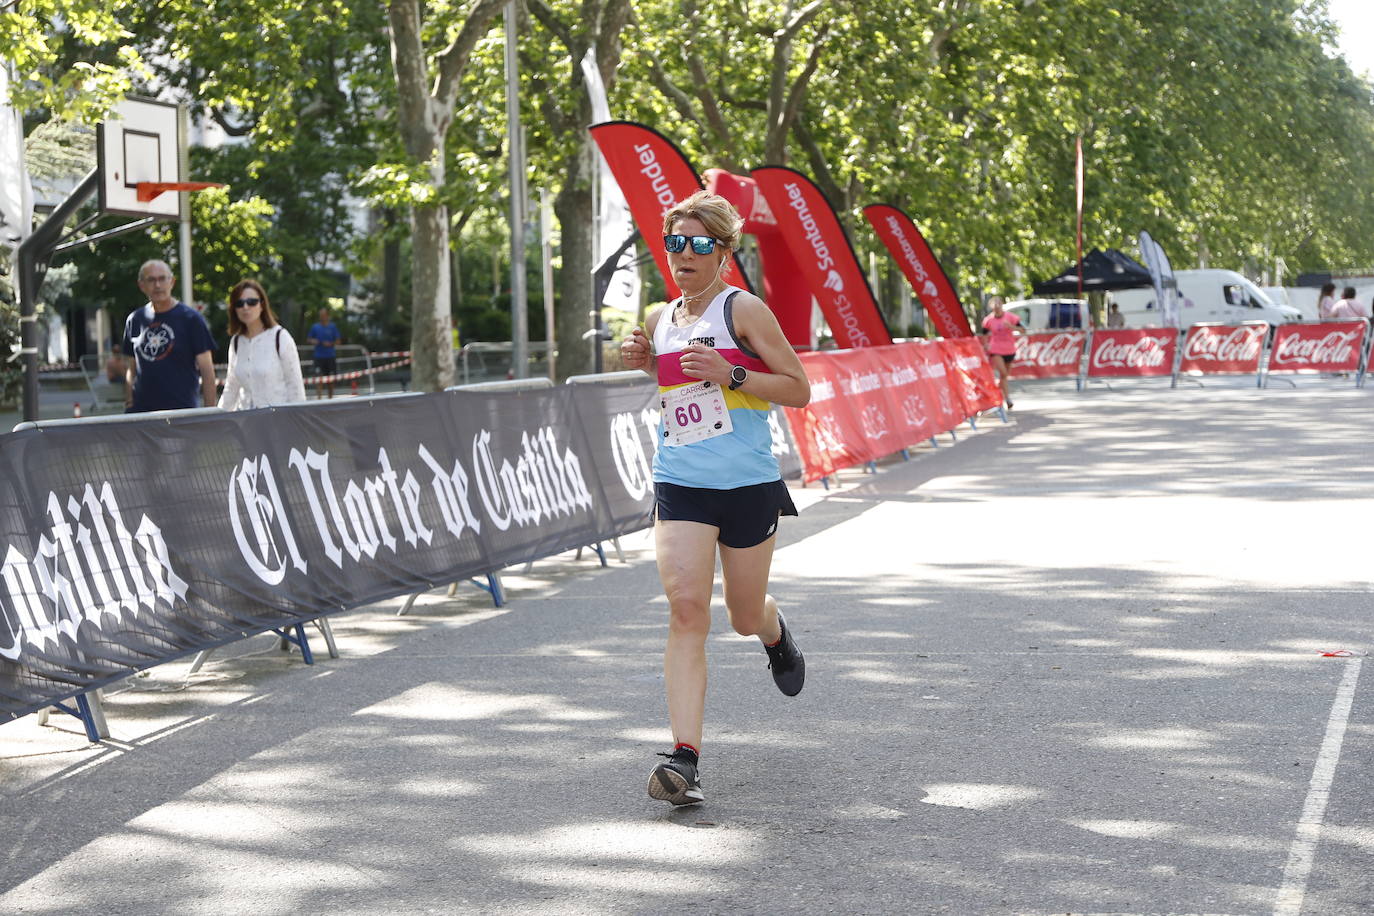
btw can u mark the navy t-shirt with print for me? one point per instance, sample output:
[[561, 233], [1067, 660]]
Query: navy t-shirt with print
[[164, 346]]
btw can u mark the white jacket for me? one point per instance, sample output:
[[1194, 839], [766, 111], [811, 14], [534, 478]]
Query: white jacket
[[263, 371]]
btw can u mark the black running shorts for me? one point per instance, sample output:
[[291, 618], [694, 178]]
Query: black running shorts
[[746, 516], [1008, 358], [326, 365]]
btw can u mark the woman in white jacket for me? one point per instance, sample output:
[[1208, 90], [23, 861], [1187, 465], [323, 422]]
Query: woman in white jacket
[[264, 367]]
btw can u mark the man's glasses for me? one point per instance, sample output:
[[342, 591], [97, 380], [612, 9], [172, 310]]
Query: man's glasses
[[161, 278], [701, 244], [247, 302]]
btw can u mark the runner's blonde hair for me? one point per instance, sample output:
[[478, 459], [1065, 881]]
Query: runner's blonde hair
[[714, 212]]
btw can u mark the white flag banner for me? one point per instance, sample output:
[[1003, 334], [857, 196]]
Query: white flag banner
[[16, 191], [613, 220], [1162, 276]]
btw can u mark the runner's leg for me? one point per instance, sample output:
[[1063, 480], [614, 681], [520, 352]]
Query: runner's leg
[[687, 567], [744, 575]]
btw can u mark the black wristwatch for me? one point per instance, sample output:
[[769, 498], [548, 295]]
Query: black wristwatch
[[737, 376]]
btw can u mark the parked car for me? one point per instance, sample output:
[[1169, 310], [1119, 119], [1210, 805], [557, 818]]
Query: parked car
[[1049, 314], [1205, 295]]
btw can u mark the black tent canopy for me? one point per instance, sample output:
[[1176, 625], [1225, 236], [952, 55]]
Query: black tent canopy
[[1102, 270]]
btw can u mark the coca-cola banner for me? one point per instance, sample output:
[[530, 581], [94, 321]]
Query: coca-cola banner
[[1211, 349], [1049, 354], [131, 544], [1326, 346], [1132, 352], [822, 252], [653, 174], [921, 268]]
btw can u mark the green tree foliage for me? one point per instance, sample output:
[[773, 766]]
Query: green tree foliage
[[1227, 128]]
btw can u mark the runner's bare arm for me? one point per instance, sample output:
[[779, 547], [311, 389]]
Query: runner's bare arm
[[758, 327], [636, 349]]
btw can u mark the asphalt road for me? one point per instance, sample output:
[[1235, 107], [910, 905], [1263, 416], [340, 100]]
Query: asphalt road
[[1073, 664]]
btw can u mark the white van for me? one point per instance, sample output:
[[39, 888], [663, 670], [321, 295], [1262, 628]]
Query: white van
[[1049, 314], [1205, 295]]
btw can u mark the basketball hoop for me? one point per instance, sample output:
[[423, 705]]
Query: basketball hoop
[[149, 190]]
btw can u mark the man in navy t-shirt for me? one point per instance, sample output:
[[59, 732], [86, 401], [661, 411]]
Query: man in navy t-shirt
[[325, 335], [170, 349]]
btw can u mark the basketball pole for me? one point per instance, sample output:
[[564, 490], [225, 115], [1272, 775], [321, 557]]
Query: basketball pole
[[184, 209]]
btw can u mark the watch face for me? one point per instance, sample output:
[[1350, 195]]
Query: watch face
[[738, 375]]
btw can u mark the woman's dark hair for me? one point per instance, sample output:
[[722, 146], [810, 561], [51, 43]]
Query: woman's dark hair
[[269, 318], [1348, 293], [1329, 289]]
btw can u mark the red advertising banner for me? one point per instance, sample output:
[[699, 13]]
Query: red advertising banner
[[914, 397], [1327, 346], [969, 367], [921, 268], [824, 256], [1210, 349], [1134, 352], [827, 432], [1049, 354], [865, 385], [654, 175], [948, 402]]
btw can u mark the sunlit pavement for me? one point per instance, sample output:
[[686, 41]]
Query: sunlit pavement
[[1073, 664]]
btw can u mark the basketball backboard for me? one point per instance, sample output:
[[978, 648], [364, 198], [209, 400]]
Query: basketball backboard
[[139, 143]]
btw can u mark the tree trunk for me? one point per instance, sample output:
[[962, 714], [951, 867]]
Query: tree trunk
[[573, 318], [431, 329]]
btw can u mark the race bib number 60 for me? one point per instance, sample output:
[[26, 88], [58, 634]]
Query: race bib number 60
[[693, 413]]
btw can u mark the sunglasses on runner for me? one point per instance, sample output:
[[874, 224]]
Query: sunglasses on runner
[[701, 244], [247, 301]]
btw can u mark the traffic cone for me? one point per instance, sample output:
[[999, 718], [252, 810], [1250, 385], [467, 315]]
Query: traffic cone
[[76, 409]]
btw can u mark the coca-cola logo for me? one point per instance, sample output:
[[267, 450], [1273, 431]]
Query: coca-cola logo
[[1225, 345], [1050, 352], [1335, 348], [1146, 352]]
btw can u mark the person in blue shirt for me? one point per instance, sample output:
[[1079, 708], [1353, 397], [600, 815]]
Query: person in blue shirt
[[171, 353], [325, 335]]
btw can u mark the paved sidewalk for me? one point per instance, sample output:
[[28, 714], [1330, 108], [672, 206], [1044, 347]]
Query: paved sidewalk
[[1069, 665]]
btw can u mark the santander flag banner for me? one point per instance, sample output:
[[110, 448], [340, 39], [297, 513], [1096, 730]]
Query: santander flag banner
[[1210, 349], [1126, 352], [918, 263], [1327, 346], [1049, 354], [654, 175], [972, 371], [824, 256]]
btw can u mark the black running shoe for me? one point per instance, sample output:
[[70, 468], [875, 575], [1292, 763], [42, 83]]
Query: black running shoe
[[786, 662], [675, 780]]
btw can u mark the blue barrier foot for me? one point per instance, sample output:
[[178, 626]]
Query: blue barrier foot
[[295, 634], [492, 587], [82, 712]]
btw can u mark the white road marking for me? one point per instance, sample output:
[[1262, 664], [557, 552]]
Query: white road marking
[[1304, 849]]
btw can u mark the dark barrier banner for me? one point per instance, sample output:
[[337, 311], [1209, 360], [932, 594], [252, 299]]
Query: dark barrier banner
[[1209, 349], [138, 542], [654, 175], [1326, 346], [922, 269], [1049, 354], [822, 252], [1132, 352]]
